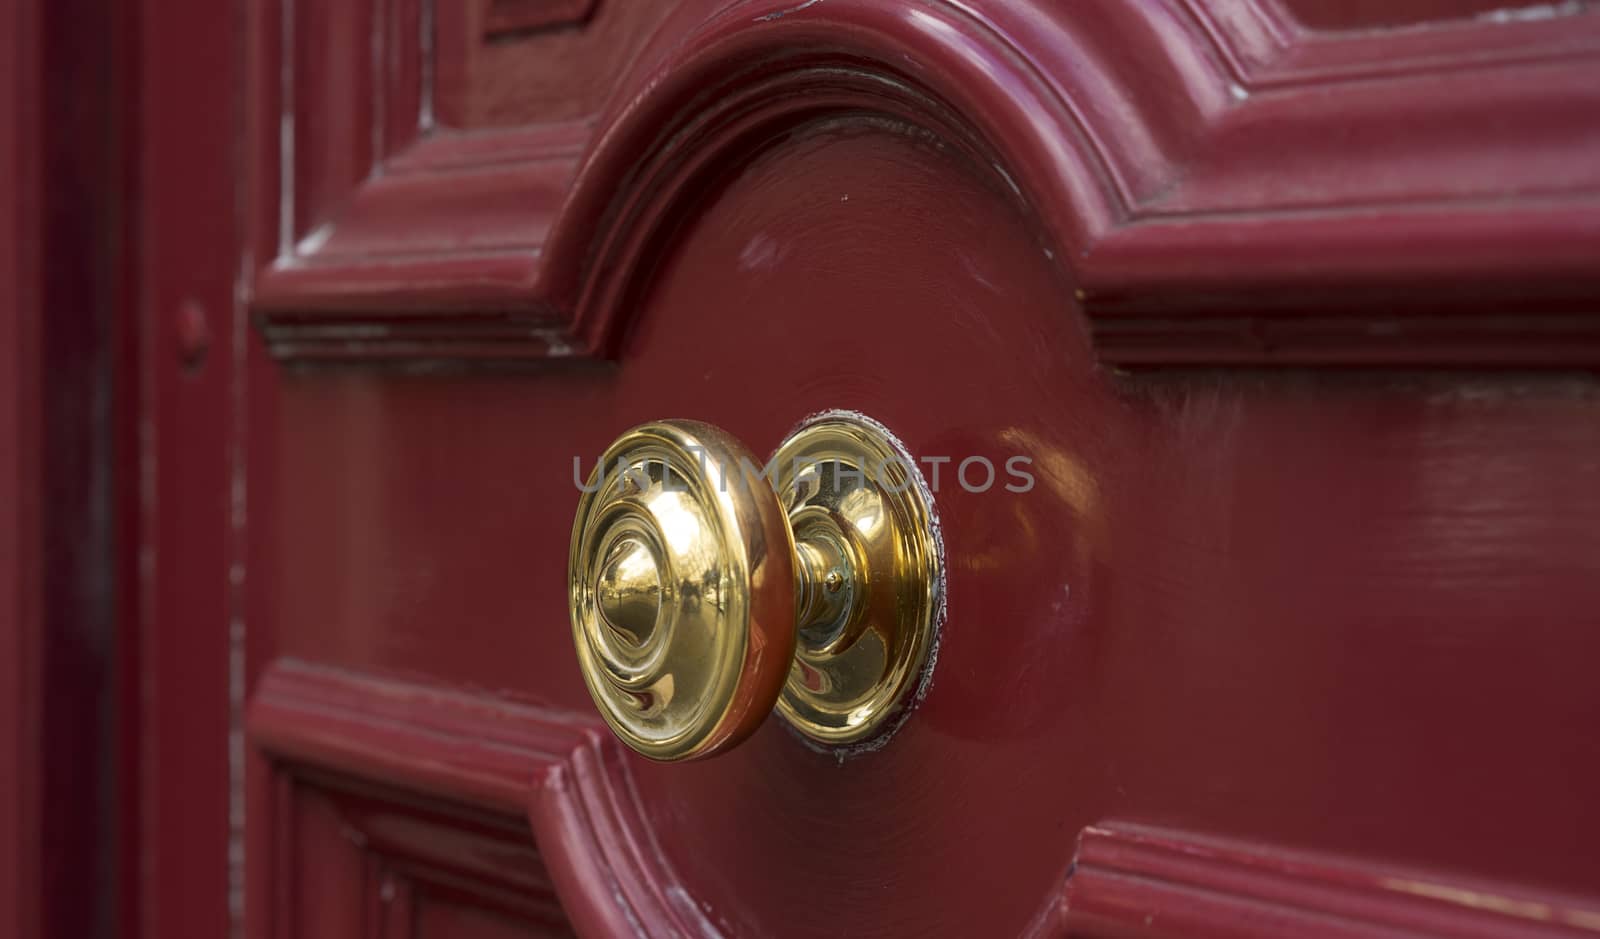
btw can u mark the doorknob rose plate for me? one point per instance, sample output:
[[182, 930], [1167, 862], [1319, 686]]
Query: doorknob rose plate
[[706, 587], [871, 588]]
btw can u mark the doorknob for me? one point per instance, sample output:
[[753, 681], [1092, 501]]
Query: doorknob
[[706, 587]]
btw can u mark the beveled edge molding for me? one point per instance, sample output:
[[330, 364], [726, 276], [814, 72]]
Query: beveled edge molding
[[409, 853], [431, 251], [1131, 880], [1189, 166], [563, 775]]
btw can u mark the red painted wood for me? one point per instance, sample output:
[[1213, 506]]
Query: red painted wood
[[1370, 14], [58, 184], [1238, 189], [515, 16], [21, 900], [189, 523], [452, 217], [1234, 597], [1132, 880], [522, 770], [504, 63], [1322, 624]]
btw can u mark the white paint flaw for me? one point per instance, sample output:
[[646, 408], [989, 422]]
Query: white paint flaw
[[1010, 183], [761, 253], [286, 184], [1533, 14], [315, 241], [237, 518], [425, 120], [286, 40], [780, 14]]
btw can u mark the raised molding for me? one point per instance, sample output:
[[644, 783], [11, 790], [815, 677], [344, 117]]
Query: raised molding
[[394, 859], [1131, 880], [472, 767], [384, 234], [431, 258], [1222, 185]]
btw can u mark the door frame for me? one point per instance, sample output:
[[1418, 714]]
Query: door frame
[[61, 325]]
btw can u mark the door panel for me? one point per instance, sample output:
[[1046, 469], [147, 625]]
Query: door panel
[[1289, 633]]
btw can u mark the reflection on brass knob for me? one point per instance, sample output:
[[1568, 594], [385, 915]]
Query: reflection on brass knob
[[629, 591], [707, 587]]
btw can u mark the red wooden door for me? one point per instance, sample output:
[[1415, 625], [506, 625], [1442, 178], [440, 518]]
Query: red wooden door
[[1287, 307]]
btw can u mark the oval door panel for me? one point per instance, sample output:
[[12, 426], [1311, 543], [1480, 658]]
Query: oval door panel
[[864, 267]]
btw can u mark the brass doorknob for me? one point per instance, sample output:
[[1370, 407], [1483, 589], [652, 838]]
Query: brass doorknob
[[706, 587]]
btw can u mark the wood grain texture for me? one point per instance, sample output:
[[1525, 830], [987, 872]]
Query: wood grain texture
[[1138, 881], [1222, 183], [448, 793]]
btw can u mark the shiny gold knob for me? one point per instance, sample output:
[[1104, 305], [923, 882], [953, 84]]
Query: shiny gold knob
[[707, 587]]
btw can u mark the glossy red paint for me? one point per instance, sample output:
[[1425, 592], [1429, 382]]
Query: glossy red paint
[[1134, 875], [1230, 186], [1231, 598], [1264, 650], [187, 523]]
